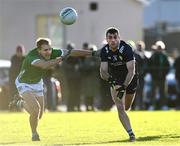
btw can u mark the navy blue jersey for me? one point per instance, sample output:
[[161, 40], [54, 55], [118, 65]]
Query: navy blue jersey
[[117, 60]]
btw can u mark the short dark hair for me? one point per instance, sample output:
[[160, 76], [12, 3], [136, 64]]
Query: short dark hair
[[112, 30], [42, 41], [85, 45]]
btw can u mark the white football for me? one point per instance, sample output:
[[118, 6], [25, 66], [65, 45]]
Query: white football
[[68, 15]]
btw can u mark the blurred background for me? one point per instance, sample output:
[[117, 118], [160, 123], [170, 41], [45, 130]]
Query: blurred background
[[75, 85]]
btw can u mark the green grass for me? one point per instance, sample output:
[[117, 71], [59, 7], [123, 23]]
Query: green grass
[[92, 128]]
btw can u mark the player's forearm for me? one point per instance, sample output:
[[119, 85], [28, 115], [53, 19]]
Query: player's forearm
[[81, 53], [104, 74], [51, 63], [104, 71], [47, 64], [130, 75]]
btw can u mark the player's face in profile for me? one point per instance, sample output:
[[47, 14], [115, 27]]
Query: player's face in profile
[[45, 51], [113, 40]]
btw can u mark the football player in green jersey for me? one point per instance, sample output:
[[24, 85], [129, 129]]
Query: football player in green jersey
[[29, 82]]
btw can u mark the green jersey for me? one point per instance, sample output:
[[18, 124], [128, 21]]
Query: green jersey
[[31, 74]]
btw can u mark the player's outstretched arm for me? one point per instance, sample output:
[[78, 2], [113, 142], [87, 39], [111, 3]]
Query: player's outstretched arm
[[46, 64], [78, 52]]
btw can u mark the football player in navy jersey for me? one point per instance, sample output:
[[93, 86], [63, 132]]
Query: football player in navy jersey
[[118, 69]]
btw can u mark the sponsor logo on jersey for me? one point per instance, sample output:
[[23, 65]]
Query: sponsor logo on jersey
[[115, 58], [118, 63]]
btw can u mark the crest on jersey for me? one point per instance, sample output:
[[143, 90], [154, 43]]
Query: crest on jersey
[[121, 49]]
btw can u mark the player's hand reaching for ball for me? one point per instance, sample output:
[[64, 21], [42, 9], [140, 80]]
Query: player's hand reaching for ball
[[58, 60]]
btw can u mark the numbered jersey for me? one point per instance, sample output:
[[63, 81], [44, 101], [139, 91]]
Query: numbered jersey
[[31, 74], [117, 60]]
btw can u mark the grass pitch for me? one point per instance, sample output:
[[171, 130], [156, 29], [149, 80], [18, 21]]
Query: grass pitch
[[92, 128]]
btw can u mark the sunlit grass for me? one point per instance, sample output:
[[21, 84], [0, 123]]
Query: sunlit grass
[[92, 128]]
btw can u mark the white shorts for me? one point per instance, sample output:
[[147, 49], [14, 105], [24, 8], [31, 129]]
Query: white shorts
[[37, 88]]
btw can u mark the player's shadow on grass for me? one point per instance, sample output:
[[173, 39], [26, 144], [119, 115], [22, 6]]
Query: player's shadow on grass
[[156, 137], [147, 138], [139, 139], [6, 143], [11, 143]]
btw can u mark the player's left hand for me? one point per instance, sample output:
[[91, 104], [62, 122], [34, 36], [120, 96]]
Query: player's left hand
[[58, 60]]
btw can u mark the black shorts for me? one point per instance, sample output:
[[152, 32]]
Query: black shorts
[[131, 88]]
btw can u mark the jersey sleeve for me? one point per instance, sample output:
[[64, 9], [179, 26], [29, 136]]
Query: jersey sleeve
[[31, 59], [103, 55], [128, 54], [57, 53]]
